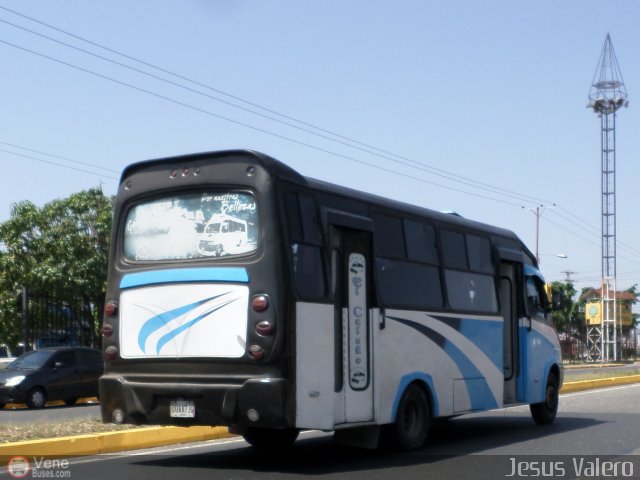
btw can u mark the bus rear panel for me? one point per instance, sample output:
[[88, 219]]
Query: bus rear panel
[[194, 331]]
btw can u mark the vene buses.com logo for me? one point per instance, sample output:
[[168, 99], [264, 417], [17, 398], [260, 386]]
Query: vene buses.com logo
[[18, 467]]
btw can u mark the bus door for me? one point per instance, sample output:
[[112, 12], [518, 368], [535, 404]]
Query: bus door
[[352, 273], [509, 304]]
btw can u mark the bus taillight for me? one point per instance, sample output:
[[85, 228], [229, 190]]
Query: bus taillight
[[111, 308], [111, 353], [260, 303], [264, 328], [107, 330], [256, 352]]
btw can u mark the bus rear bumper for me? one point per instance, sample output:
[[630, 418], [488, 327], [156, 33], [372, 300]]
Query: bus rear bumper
[[254, 403]]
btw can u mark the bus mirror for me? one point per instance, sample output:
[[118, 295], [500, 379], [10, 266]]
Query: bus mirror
[[557, 301], [555, 298]]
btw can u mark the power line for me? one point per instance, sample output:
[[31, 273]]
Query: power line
[[562, 227], [412, 163], [575, 220], [249, 126], [353, 143], [57, 164], [629, 259], [59, 157], [590, 229]]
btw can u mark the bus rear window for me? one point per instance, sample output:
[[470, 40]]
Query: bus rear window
[[192, 225]]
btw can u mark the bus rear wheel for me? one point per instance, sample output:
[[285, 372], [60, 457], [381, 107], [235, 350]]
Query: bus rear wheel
[[271, 438], [544, 413], [413, 419]]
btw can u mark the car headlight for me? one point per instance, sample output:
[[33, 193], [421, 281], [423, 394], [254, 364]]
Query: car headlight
[[13, 381]]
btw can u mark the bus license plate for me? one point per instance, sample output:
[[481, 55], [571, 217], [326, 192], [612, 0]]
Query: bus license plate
[[182, 409]]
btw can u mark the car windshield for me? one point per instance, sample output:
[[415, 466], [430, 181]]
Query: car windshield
[[32, 360]]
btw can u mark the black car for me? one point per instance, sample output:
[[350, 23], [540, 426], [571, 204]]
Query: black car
[[63, 373]]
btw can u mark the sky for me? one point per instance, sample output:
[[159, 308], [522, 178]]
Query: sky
[[472, 106]]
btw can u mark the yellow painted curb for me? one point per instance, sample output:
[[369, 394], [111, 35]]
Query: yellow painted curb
[[109, 442], [599, 383]]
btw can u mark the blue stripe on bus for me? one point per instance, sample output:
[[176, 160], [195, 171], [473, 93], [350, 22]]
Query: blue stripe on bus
[[478, 389], [162, 319], [530, 390], [488, 336], [187, 325], [178, 275]]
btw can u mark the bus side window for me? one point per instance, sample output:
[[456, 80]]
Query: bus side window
[[308, 271], [469, 272], [305, 245], [536, 296], [406, 260]]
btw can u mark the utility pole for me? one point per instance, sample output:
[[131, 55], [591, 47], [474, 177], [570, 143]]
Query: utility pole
[[538, 213], [568, 273]]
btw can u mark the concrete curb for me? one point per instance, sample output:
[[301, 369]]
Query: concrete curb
[[109, 442], [579, 386]]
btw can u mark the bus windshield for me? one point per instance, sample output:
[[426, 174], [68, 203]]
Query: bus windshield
[[192, 225]]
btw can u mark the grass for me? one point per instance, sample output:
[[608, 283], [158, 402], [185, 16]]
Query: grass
[[603, 373], [35, 431]]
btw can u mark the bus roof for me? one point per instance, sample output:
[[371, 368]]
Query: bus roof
[[282, 171], [270, 163]]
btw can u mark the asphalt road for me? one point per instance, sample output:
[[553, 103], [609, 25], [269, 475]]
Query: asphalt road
[[590, 427], [84, 411]]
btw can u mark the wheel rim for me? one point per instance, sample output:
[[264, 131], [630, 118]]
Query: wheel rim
[[37, 398], [413, 419]]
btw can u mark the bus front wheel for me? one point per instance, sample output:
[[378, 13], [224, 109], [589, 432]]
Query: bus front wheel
[[544, 413], [413, 418], [271, 438]]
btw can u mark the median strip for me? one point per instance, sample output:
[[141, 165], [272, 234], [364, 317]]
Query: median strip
[[110, 442], [581, 385]]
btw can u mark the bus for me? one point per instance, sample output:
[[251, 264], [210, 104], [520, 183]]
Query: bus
[[342, 311]]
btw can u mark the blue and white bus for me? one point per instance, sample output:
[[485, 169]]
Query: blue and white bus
[[330, 309]]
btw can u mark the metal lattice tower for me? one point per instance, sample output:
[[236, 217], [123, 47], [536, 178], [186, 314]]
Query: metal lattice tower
[[607, 95]]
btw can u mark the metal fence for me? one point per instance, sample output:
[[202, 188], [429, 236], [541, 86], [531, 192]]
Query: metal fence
[[575, 347], [54, 320]]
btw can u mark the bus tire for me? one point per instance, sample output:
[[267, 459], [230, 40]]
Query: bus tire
[[544, 413], [413, 419], [271, 438]]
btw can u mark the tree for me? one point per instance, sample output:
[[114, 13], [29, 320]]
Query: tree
[[568, 319], [61, 248], [633, 290]]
